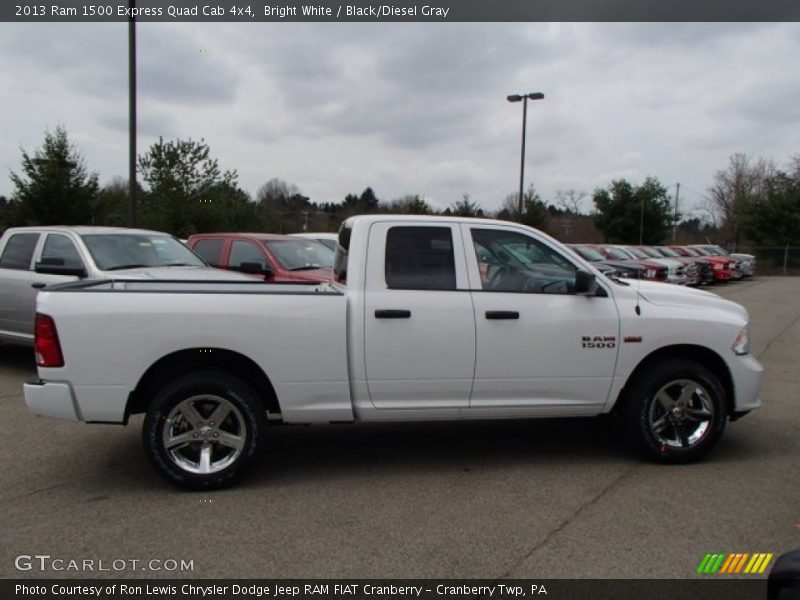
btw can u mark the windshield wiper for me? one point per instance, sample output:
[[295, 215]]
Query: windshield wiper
[[179, 264], [119, 267], [306, 268]]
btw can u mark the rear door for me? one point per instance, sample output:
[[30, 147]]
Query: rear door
[[419, 322], [17, 296], [539, 344]]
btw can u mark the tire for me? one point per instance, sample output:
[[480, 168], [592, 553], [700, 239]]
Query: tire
[[204, 430], [675, 412]]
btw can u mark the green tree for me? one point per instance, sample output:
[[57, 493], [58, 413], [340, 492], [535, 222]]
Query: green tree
[[624, 209], [412, 204], [465, 208], [534, 210], [180, 177], [773, 218], [55, 187]]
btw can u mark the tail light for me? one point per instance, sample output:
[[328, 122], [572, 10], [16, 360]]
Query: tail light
[[48, 348]]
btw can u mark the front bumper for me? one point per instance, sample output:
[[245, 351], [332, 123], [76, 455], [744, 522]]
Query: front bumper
[[51, 399], [747, 375]]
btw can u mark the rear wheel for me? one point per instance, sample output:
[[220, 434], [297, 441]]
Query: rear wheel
[[203, 430], [676, 411]]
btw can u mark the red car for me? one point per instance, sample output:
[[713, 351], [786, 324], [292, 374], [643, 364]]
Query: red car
[[273, 257], [720, 267]]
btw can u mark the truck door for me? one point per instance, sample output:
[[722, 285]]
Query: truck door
[[540, 345], [419, 323]]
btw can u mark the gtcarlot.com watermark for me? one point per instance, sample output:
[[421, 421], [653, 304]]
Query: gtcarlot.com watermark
[[46, 562]]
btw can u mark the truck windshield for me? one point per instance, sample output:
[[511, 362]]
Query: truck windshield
[[115, 251], [296, 255]]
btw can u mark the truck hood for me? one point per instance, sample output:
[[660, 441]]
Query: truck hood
[[182, 273], [666, 294]]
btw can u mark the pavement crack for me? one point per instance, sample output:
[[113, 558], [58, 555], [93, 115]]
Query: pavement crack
[[791, 324], [561, 526]]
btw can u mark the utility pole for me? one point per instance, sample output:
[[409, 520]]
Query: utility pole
[[132, 118], [675, 219]]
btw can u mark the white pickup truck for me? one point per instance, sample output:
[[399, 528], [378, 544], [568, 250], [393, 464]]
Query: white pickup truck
[[430, 318]]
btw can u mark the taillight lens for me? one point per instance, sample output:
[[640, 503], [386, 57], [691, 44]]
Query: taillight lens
[[48, 349]]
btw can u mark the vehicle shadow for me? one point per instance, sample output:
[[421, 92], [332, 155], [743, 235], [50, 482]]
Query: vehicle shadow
[[294, 454], [17, 359]]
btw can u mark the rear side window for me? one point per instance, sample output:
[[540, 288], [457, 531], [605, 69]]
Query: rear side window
[[19, 251], [60, 246], [210, 251], [420, 258]]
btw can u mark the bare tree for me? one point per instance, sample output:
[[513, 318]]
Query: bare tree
[[741, 183], [571, 200]]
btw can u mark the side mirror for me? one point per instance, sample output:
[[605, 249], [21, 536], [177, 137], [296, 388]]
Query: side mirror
[[585, 283], [56, 266], [256, 268]]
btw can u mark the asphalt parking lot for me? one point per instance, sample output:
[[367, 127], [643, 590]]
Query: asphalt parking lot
[[547, 498]]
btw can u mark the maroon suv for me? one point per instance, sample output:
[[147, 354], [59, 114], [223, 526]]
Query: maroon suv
[[273, 257]]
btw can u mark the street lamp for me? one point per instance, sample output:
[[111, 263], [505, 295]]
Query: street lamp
[[524, 98]]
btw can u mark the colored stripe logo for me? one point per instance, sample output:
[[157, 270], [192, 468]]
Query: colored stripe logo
[[735, 563]]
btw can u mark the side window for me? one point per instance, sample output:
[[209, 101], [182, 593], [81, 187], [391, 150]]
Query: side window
[[420, 258], [242, 252], [60, 246], [19, 251], [513, 262], [210, 251]]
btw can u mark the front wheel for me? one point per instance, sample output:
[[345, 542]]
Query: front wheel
[[204, 429], [676, 411]]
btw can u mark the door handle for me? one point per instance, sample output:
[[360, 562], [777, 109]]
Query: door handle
[[502, 314], [38, 285], [386, 313]]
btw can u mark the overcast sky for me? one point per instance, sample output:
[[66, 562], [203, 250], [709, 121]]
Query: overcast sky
[[413, 108]]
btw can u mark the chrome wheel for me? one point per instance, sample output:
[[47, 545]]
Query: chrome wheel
[[681, 414], [204, 434]]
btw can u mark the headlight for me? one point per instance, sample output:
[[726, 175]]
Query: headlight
[[741, 345], [717, 266], [650, 274]]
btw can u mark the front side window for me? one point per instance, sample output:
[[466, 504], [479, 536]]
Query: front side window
[[420, 258], [19, 251], [509, 261], [59, 246], [245, 252]]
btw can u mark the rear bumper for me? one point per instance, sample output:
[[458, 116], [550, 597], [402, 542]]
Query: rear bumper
[[51, 399]]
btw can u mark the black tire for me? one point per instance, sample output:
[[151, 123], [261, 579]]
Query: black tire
[[204, 454], [669, 433]]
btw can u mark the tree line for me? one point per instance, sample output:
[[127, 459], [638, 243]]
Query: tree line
[[183, 190]]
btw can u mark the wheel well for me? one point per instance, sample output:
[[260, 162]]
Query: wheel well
[[195, 359], [699, 354]]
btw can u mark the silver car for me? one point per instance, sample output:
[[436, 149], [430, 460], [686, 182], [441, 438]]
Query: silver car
[[34, 257]]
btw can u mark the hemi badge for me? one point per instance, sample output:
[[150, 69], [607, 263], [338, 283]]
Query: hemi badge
[[633, 339]]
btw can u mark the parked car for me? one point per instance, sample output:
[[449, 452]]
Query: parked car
[[328, 239], [620, 268], [746, 262], [412, 329], [653, 270], [720, 267], [698, 270], [34, 257], [675, 269], [268, 256]]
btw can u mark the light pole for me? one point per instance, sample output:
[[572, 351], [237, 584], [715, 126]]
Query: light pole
[[524, 98], [132, 119]]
